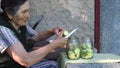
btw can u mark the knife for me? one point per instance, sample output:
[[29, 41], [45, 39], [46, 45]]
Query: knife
[[67, 35], [70, 33]]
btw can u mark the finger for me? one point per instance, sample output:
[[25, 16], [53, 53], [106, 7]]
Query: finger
[[65, 46], [56, 32], [60, 33], [60, 28]]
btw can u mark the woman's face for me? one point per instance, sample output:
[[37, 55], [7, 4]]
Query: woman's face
[[21, 17]]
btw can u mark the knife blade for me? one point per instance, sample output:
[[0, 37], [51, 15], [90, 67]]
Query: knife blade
[[70, 33]]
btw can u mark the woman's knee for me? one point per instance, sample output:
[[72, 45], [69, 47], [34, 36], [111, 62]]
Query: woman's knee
[[53, 64], [46, 64]]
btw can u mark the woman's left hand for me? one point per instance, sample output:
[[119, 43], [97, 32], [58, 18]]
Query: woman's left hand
[[57, 30]]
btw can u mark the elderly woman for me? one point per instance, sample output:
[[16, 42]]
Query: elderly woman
[[13, 36]]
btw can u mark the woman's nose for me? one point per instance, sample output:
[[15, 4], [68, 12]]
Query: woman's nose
[[27, 15]]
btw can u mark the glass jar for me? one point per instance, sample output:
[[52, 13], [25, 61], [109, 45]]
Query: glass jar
[[86, 48], [73, 50]]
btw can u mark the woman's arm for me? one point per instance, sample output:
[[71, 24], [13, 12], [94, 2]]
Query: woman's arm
[[46, 34], [19, 54], [16, 50], [43, 35]]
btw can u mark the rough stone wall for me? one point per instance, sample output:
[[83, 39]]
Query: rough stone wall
[[69, 14]]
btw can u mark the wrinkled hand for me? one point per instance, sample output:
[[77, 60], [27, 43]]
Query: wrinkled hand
[[60, 41], [57, 30]]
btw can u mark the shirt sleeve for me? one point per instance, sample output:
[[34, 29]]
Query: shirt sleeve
[[7, 38], [31, 31], [3, 46]]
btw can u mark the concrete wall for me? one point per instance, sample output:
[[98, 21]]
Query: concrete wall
[[110, 26]]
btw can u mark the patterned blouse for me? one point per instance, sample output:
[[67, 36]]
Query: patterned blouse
[[7, 37]]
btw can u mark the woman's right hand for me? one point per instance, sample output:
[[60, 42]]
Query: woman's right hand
[[60, 41]]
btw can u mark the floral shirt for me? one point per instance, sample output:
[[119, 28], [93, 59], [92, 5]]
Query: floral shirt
[[7, 37]]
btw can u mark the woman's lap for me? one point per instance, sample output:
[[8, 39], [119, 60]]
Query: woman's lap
[[45, 64]]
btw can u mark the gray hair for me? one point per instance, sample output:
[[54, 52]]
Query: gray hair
[[11, 6]]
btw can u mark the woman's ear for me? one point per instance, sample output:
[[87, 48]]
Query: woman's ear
[[9, 16]]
